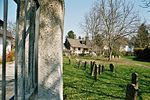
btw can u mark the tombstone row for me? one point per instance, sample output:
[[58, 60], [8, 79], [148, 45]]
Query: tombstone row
[[95, 69]]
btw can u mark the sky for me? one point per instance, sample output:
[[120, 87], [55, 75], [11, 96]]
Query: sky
[[75, 11]]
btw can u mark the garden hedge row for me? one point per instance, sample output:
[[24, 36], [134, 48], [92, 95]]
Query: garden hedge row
[[142, 53]]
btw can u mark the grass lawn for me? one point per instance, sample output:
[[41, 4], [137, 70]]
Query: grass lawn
[[79, 85]]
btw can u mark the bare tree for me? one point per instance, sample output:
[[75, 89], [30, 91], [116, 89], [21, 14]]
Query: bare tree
[[11, 28], [146, 3], [114, 19]]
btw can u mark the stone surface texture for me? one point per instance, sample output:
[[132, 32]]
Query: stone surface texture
[[50, 50]]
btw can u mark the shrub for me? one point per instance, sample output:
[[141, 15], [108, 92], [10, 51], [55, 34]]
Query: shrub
[[146, 53], [10, 56], [138, 52], [142, 53]]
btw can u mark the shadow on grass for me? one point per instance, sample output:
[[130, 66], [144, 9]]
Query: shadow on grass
[[91, 92], [142, 60]]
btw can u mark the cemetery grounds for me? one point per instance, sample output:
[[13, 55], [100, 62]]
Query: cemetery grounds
[[80, 85]]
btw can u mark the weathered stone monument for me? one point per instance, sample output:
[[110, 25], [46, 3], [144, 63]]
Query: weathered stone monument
[[131, 92], [99, 69], [103, 68], [132, 88], [85, 65], [134, 79], [112, 67], [96, 72], [92, 68], [50, 74]]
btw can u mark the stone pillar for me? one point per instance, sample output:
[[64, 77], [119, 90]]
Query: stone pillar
[[50, 74]]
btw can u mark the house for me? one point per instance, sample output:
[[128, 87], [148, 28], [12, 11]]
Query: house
[[8, 40], [77, 46]]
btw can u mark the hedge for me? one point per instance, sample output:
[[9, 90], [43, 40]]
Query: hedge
[[142, 53]]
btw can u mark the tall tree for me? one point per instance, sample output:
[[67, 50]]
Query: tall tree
[[142, 37], [113, 19], [71, 34]]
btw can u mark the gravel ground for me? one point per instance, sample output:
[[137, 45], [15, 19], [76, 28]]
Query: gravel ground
[[9, 80]]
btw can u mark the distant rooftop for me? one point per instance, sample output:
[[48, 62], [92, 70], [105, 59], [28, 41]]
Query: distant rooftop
[[9, 35]]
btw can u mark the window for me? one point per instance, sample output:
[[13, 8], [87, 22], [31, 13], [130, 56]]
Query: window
[[79, 49]]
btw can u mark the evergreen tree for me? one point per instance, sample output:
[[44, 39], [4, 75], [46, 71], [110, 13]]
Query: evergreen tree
[[71, 34], [142, 37]]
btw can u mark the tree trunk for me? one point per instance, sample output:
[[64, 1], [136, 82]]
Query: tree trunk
[[50, 50], [110, 52]]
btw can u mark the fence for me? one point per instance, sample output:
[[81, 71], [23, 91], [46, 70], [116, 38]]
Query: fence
[[26, 81]]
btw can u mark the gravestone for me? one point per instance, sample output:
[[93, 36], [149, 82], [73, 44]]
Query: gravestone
[[111, 66], [93, 68], [131, 92], [96, 72], [134, 79], [69, 61], [103, 68], [99, 69], [79, 63], [85, 65]]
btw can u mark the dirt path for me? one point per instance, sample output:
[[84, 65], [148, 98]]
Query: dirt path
[[141, 65], [9, 80]]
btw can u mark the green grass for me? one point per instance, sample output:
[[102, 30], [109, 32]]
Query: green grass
[[79, 85]]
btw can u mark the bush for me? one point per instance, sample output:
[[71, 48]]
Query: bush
[[142, 53], [146, 53], [138, 52], [9, 56]]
